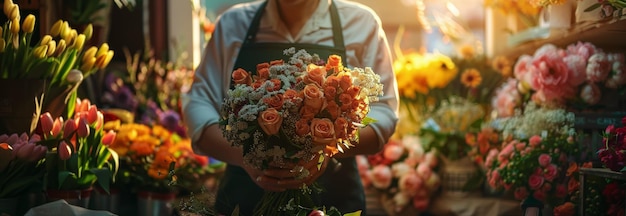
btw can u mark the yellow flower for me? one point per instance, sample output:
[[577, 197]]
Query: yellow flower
[[29, 24], [503, 65], [467, 51], [441, 70], [471, 78]]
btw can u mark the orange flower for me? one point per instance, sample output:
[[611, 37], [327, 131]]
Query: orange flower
[[471, 78], [334, 64], [322, 131], [341, 127], [573, 167], [315, 74], [241, 76], [313, 97], [567, 209], [302, 127], [503, 65], [470, 139], [275, 101], [270, 121]]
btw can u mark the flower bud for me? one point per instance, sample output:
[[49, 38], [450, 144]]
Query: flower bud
[[60, 48], [2, 44], [109, 137], [108, 59], [29, 24], [6, 155], [15, 13], [64, 31], [83, 128], [70, 38], [74, 76], [40, 51], [80, 42], [88, 65], [69, 128], [92, 114], [56, 127], [8, 5], [65, 152], [103, 50], [46, 122], [15, 26], [55, 30], [88, 32], [25, 151], [52, 47], [45, 40], [100, 121], [91, 52]]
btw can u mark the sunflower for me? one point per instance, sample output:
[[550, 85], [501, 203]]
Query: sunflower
[[471, 78]]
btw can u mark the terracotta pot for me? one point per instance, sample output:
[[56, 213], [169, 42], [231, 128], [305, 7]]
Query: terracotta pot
[[74, 197]]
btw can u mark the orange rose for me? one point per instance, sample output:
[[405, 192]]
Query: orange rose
[[270, 121], [276, 62], [262, 65], [275, 101], [241, 76], [333, 109], [334, 64], [277, 85], [313, 97], [345, 81], [307, 112], [290, 95], [332, 81], [566, 209], [257, 84], [315, 74], [262, 74], [341, 127], [353, 91], [322, 131], [346, 101], [302, 127], [330, 93]]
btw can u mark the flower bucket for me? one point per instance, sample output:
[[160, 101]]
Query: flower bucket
[[373, 202], [155, 203], [101, 200], [17, 103], [8, 206], [455, 175], [73, 197]]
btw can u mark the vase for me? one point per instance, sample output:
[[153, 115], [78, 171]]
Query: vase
[[8, 206], [155, 203], [456, 175], [558, 16], [17, 103], [101, 200], [73, 197]]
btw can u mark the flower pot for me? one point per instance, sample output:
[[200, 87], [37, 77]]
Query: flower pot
[[455, 175], [8, 206], [155, 203], [17, 103], [101, 200], [74, 197]]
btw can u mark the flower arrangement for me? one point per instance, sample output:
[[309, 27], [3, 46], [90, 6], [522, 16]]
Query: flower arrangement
[[526, 11], [607, 8], [576, 77], [613, 153], [79, 156], [533, 167], [158, 160], [404, 173], [21, 164], [294, 112]]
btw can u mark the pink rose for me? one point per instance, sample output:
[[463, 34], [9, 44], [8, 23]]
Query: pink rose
[[561, 191], [506, 98], [424, 170], [546, 187], [535, 181], [520, 146], [520, 193], [539, 195], [270, 121], [598, 67], [494, 178], [410, 183], [551, 172], [544, 160], [534, 141], [393, 152], [430, 159], [590, 93], [381, 176]]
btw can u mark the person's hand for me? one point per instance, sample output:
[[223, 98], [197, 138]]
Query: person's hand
[[289, 176]]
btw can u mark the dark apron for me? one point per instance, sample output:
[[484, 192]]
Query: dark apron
[[341, 184]]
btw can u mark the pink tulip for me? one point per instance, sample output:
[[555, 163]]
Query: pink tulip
[[46, 122], [25, 151], [12, 139], [56, 127], [82, 129], [69, 128], [109, 137], [92, 114], [100, 121], [65, 152], [34, 138], [39, 152], [82, 105]]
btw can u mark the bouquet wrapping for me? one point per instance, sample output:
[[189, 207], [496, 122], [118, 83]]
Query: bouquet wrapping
[[294, 112]]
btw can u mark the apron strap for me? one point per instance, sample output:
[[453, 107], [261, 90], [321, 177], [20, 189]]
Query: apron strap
[[334, 16]]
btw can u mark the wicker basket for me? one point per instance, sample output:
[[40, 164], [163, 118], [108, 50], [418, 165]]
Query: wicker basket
[[455, 174]]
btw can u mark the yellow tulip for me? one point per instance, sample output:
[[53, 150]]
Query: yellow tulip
[[91, 52], [56, 28], [29, 24], [8, 5], [104, 49], [88, 65], [65, 30], [52, 46], [106, 61], [100, 61], [1, 30], [80, 42], [15, 26], [40, 51], [15, 13], [45, 40], [70, 38], [60, 48], [88, 32]]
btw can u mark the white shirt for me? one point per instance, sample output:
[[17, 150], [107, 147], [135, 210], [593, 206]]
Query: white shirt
[[364, 38]]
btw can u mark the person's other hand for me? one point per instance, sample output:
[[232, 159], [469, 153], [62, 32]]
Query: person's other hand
[[289, 176]]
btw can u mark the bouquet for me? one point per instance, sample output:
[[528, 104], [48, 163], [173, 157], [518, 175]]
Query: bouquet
[[21, 164], [613, 153], [294, 112], [79, 155], [403, 173]]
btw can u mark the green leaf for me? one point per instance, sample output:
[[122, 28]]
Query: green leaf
[[593, 7], [63, 176], [103, 176], [368, 120], [356, 213]]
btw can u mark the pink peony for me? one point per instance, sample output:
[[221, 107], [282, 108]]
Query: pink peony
[[535, 181], [551, 78], [544, 160], [506, 98], [583, 49], [381, 176], [521, 69], [577, 67], [590, 93], [598, 67]]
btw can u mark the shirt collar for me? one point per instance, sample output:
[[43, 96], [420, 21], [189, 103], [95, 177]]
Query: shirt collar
[[319, 19]]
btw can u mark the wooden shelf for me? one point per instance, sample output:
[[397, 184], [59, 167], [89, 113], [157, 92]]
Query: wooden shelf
[[608, 35], [604, 173]]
